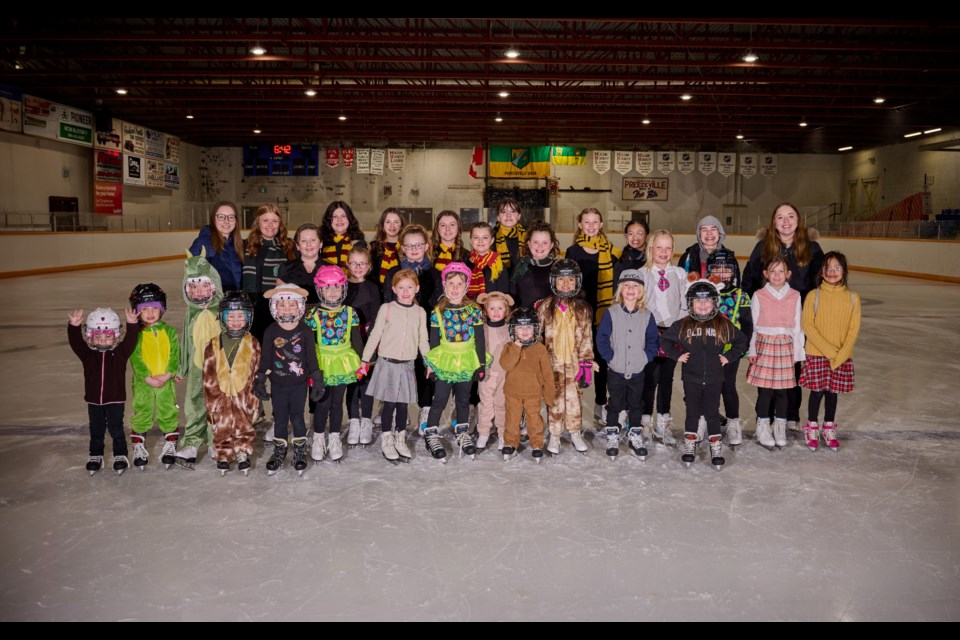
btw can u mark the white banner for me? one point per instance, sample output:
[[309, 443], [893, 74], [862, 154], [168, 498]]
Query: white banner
[[110, 139], [134, 139], [363, 160], [685, 162], [727, 164], [666, 161], [645, 162], [172, 149], [707, 162], [377, 159], [11, 108], [54, 121], [623, 162], [155, 144], [748, 165], [768, 165], [155, 169], [134, 171], [601, 161], [396, 159], [171, 176]]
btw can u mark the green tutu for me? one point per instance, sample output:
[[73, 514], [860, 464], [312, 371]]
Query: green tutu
[[455, 361], [339, 364]]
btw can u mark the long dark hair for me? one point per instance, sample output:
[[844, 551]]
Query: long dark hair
[[255, 239], [354, 232], [458, 252], [841, 260], [216, 239], [540, 225], [380, 239]]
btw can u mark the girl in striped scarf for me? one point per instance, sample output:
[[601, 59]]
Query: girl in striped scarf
[[339, 232], [447, 243], [509, 234], [383, 249], [488, 274]]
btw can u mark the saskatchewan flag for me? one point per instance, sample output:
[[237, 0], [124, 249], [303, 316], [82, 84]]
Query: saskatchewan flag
[[573, 156], [519, 162]]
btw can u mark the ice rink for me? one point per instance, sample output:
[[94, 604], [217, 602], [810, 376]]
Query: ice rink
[[869, 533]]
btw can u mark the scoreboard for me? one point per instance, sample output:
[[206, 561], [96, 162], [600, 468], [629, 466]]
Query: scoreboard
[[280, 159]]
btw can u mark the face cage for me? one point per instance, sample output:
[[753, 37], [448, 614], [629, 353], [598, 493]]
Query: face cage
[[236, 333], [89, 334], [727, 284], [566, 294], [326, 303], [201, 302], [511, 330], [704, 318], [301, 309]]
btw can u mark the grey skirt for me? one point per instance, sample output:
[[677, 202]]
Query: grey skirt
[[393, 382]]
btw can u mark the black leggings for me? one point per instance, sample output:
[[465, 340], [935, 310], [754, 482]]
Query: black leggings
[[702, 400], [359, 404], [288, 401], [424, 384], [461, 396], [777, 398], [330, 404], [387, 416], [658, 379], [731, 401], [829, 411], [103, 418], [600, 377]]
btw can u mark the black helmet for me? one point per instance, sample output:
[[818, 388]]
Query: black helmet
[[148, 295], [562, 268], [726, 258], [703, 290], [524, 317], [236, 301]]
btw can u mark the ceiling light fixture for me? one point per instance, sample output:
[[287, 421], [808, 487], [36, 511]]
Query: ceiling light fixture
[[121, 92], [257, 50], [929, 131], [912, 135], [498, 119], [511, 53], [342, 118], [879, 100], [645, 121], [189, 116], [504, 94], [750, 57], [844, 148], [803, 122], [257, 131], [686, 96], [739, 136], [309, 93]]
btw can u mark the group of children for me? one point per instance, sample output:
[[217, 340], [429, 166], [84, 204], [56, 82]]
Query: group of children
[[436, 320]]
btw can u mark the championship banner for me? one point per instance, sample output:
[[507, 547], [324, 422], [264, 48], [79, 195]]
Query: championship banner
[[396, 158], [570, 156], [623, 162], [348, 155], [11, 108], [155, 144], [685, 162], [107, 197], [519, 162], [645, 160], [363, 160], [172, 153], [601, 161], [134, 171], [666, 161], [134, 139], [377, 160], [727, 164], [155, 169], [645, 188], [171, 176], [707, 162], [768, 165], [748, 165], [333, 157]]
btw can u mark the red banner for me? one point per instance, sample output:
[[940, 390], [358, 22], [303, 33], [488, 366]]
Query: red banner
[[333, 157], [348, 157], [107, 197]]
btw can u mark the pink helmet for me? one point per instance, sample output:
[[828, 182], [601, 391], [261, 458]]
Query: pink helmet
[[330, 276], [456, 267]]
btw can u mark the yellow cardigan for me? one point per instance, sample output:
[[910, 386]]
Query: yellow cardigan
[[831, 322]]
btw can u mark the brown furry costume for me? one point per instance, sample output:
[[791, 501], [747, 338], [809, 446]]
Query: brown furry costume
[[565, 409], [228, 395]]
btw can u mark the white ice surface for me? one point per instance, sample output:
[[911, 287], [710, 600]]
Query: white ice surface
[[869, 533]]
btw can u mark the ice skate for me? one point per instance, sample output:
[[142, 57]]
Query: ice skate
[[613, 442], [734, 432], [716, 451], [275, 463], [388, 446], [600, 413], [577, 439], [334, 446], [524, 436], [366, 431], [318, 448], [764, 435], [811, 434], [376, 420], [689, 449], [186, 458], [94, 464], [780, 433], [169, 454], [464, 441], [353, 432], [701, 429], [830, 436], [635, 442], [268, 435], [509, 453], [662, 430], [500, 443], [212, 452], [140, 455], [553, 445], [300, 455], [431, 440], [794, 425], [400, 442], [646, 425], [482, 442], [243, 462], [537, 455], [223, 466]]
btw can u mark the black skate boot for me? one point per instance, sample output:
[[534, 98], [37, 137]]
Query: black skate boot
[[537, 455], [464, 441], [716, 453], [140, 455], [169, 454], [275, 463], [508, 452], [635, 442], [94, 464], [223, 466], [431, 439], [613, 442], [243, 462], [300, 455], [120, 464], [689, 448]]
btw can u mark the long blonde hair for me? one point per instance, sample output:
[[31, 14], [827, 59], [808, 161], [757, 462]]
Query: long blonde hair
[[652, 240], [641, 301], [255, 239]]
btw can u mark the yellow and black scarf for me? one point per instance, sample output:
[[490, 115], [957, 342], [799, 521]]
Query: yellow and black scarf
[[388, 259], [444, 256], [338, 251], [605, 257], [505, 233], [478, 283]]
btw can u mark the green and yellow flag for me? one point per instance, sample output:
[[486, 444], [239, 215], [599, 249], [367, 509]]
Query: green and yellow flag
[[519, 162], [571, 156]]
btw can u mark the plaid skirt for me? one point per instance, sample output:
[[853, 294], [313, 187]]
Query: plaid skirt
[[817, 375], [774, 366]]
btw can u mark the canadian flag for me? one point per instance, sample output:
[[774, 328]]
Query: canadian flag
[[476, 161]]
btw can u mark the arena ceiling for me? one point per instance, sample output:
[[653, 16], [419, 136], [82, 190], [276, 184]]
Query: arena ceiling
[[436, 82]]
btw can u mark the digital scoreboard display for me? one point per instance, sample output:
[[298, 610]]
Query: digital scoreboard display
[[281, 159]]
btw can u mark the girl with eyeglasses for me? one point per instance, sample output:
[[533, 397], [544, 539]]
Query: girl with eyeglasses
[[221, 238]]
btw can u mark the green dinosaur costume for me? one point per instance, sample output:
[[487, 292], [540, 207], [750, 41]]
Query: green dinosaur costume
[[200, 326], [157, 352]]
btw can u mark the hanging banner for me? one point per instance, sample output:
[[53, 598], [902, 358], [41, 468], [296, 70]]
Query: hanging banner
[[519, 162], [476, 161], [645, 161], [134, 139], [623, 162], [666, 161], [348, 155], [172, 153], [707, 162], [171, 176], [601, 161], [109, 138], [107, 198], [155, 169], [748, 165], [11, 108], [727, 164], [363, 160], [768, 165], [377, 160], [645, 188], [685, 162], [396, 159], [134, 171], [333, 157], [155, 144], [53, 121], [569, 156], [107, 166]]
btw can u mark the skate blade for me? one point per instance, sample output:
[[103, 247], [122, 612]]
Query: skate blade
[[688, 464], [246, 472], [119, 471], [93, 473], [300, 473], [718, 467], [272, 473], [223, 472], [184, 463]]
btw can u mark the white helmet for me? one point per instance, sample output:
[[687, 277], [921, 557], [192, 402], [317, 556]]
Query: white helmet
[[287, 291], [102, 329]]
